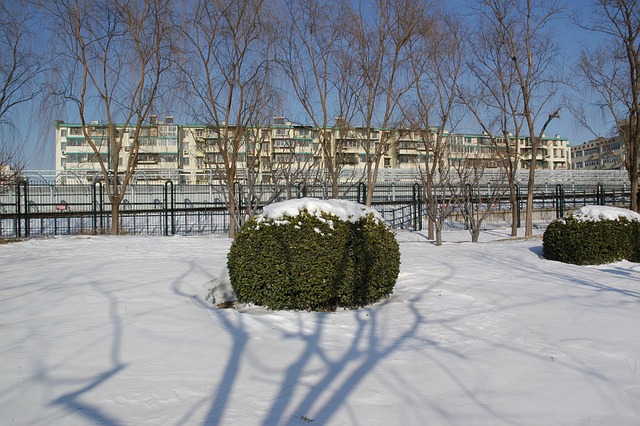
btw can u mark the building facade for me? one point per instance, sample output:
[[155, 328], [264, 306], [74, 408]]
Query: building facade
[[198, 153], [599, 154], [159, 148]]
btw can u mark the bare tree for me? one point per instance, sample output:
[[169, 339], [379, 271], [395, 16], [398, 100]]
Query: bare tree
[[113, 57], [440, 188], [379, 36], [315, 58], [295, 159], [494, 98], [280, 159], [265, 178], [519, 52], [21, 79], [10, 164], [478, 198], [436, 66], [21, 66], [227, 66], [612, 72]]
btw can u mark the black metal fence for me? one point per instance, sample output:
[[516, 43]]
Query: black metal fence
[[35, 210], [42, 210]]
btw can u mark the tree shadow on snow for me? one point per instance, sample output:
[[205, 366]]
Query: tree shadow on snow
[[316, 384], [73, 401], [300, 397], [337, 378]]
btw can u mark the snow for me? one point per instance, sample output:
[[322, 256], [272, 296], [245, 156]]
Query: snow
[[116, 330], [345, 210], [596, 213]]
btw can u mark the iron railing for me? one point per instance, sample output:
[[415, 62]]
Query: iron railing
[[41, 209]]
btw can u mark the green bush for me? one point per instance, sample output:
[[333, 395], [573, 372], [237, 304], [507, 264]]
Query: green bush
[[635, 238], [586, 242], [313, 262]]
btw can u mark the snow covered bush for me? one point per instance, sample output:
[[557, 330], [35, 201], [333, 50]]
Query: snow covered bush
[[309, 254], [594, 235]]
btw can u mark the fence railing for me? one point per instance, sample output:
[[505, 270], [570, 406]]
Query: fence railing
[[41, 210]]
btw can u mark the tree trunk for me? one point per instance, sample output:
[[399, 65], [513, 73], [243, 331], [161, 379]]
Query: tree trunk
[[475, 234], [633, 177], [513, 201], [431, 208], [528, 231], [438, 233], [233, 220], [632, 151], [115, 216], [430, 228]]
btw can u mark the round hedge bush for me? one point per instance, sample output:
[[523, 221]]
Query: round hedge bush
[[593, 236], [314, 255]]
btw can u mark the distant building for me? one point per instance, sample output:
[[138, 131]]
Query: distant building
[[599, 154], [159, 147], [196, 151]]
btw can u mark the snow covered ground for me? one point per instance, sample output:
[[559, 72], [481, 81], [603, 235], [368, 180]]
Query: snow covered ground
[[117, 331]]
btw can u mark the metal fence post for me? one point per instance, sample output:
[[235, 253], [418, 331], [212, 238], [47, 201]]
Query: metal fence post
[[518, 199], [362, 193], [600, 195], [469, 204], [94, 206], [22, 208], [417, 207], [18, 222], [169, 208], [302, 189], [98, 209], [559, 201]]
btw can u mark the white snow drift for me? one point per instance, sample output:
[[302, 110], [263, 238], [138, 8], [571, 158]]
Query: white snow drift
[[116, 331], [596, 213]]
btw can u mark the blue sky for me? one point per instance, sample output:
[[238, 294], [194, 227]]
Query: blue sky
[[571, 40], [38, 137]]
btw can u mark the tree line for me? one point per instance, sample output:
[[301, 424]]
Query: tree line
[[378, 64]]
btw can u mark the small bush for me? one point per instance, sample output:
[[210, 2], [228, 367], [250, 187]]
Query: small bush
[[635, 238], [313, 262], [586, 242]]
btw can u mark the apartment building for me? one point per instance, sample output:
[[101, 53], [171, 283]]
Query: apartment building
[[159, 153], [198, 153], [599, 154], [411, 148]]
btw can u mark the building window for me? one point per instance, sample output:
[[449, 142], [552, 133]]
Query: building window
[[167, 158], [591, 151], [147, 158], [283, 143], [168, 131], [304, 133]]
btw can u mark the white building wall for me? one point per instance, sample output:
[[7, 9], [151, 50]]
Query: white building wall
[[191, 150]]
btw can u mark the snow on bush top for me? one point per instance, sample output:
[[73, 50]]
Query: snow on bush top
[[344, 210], [596, 213]]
